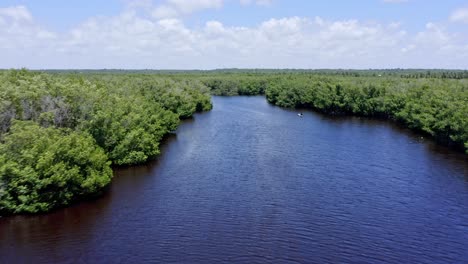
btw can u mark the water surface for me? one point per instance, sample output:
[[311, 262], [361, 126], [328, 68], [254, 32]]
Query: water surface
[[252, 183]]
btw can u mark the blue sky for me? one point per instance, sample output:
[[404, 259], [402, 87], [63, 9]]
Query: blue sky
[[206, 34]]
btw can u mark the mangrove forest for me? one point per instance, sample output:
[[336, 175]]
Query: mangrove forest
[[62, 132]]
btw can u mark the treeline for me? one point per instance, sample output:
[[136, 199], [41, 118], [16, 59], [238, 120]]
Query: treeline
[[237, 85], [59, 134], [436, 107], [403, 73]]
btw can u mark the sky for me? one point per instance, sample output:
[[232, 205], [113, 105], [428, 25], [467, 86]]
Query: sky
[[213, 34]]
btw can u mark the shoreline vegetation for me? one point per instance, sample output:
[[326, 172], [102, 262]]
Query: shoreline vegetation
[[62, 130], [434, 104], [60, 134]]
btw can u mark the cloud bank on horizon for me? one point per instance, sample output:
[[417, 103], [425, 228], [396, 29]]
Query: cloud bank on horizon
[[148, 34]]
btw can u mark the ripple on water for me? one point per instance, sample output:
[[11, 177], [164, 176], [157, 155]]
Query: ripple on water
[[252, 183]]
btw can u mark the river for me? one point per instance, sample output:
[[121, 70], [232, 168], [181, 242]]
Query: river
[[249, 182]]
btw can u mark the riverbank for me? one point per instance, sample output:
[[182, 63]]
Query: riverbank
[[59, 134], [81, 123], [435, 107], [252, 182]]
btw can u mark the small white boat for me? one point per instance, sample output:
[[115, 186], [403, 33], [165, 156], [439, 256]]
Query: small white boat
[[300, 114]]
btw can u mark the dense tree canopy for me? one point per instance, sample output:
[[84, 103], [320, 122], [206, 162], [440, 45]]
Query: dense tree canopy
[[432, 104], [60, 131], [43, 168]]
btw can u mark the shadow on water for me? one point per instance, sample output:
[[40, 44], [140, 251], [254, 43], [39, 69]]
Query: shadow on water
[[455, 156], [19, 233], [76, 222]]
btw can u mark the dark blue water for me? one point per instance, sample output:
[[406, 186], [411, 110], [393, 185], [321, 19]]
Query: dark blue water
[[252, 183]]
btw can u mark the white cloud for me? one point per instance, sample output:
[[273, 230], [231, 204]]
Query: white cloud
[[180, 8], [257, 2], [132, 4], [190, 6], [177, 8], [18, 31], [16, 13], [22, 41], [164, 12], [460, 15], [131, 40]]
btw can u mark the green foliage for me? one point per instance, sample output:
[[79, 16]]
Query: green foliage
[[128, 115], [235, 85], [57, 132], [136, 111], [44, 168], [130, 130], [426, 101]]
